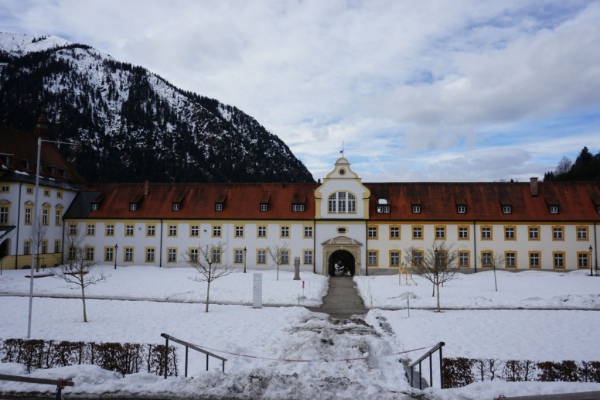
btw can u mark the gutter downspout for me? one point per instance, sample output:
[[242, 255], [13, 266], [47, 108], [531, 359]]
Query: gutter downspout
[[367, 247], [19, 225], [475, 245], [62, 242], [596, 248], [315, 247], [161, 234]]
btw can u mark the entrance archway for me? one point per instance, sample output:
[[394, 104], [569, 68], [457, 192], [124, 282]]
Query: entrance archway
[[341, 258], [4, 248]]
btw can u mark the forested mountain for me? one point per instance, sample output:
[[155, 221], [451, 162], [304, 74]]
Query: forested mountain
[[585, 168], [128, 124]]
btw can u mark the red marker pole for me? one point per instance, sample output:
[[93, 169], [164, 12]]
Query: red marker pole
[[302, 288]]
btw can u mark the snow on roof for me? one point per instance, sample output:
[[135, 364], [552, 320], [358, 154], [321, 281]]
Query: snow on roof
[[382, 201]]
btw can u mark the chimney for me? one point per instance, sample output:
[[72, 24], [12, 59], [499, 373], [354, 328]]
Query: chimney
[[319, 181], [533, 186], [146, 188], [41, 129]]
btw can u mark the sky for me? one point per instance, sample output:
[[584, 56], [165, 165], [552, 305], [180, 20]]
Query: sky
[[416, 90]]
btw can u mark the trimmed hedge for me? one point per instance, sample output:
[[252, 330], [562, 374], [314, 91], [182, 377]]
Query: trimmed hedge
[[123, 358], [462, 371]]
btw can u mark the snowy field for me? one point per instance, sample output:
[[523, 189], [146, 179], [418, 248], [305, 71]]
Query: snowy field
[[173, 284], [527, 289]]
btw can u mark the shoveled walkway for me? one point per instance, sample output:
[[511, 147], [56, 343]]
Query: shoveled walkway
[[342, 300]]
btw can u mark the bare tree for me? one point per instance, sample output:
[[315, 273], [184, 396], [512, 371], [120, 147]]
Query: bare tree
[[275, 254], [439, 264], [207, 261], [78, 266], [493, 261], [564, 166], [37, 235]]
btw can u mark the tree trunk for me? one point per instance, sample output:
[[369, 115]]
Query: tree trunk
[[495, 281], [277, 271], [433, 293], [37, 262], [207, 295], [83, 299], [438, 299]]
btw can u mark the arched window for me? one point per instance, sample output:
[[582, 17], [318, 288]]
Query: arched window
[[342, 202]]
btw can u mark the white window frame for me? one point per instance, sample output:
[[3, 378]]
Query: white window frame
[[109, 254], [486, 259], [372, 230], [557, 233], [194, 255], [94, 206], [217, 229], [534, 233], [372, 258], [238, 256], [89, 254], [132, 207], [463, 259], [463, 232], [262, 231], [218, 207], [461, 209], [582, 233], [172, 230], [195, 230], [297, 207], [395, 259], [172, 254], [151, 230], [583, 258], [417, 230], [110, 230], [395, 232], [176, 206], [91, 229], [264, 207], [416, 209], [553, 209], [510, 258], [128, 254], [308, 231], [261, 257], [486, 233], [150, 254], [285, 231], [284, 256], [506, 209], [129, 230], [439, 229], [509, 233], [308, 257], [239, 231], [72, 229], [534, 257]]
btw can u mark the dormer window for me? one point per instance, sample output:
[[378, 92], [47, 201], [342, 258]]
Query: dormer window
[[95, 206], [132, 207], [52, 170], [63, 172], [218, 207], [264, 207], [26, 164], [176, 206], [598, 209], [416, 209], [6, 160], [553, 209], [41, 168], [507, 209], [383, 209], [461, 209], [298, 207]]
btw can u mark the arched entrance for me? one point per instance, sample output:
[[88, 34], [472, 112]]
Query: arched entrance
[[341, 258], [346, 249], [4, 248]]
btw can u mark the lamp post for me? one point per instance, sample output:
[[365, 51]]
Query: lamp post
[[590, 261], [245, 259], [116, 248]]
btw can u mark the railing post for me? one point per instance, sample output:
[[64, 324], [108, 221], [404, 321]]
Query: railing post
[[59, 387], [441, 369], [166, 355], [420, 377], [223, 365], [430, 372], [207, 362], [411, 376], [186, 358]]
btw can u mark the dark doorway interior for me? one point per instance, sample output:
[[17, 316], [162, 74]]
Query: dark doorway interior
[[4, 249], [341, 258]]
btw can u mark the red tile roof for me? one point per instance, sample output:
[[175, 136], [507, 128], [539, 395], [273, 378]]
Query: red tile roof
[[483, 201], [241, 201]]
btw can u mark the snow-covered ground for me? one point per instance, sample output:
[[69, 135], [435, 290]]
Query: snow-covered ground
[[173, 284], [527, 289]]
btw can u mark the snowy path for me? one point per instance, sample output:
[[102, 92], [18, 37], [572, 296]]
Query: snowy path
[[342, 299]]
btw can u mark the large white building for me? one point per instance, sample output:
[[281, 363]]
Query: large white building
[[366, 226]]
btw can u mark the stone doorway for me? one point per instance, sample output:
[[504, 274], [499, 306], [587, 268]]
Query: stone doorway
[[341, 258], [345, 249]]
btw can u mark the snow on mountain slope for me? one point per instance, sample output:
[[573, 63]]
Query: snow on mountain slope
[[18, 45]]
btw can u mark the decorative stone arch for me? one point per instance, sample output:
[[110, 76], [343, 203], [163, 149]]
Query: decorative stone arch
[[354, 247]]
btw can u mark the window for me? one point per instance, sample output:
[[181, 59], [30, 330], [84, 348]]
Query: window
[[26, 164], [41, 168], [129, 230], [417, 259], [285, 257], [129, 254], [582, 233], [29, 190], [172, 256], [342, 202], [264, 207], [383, 209], [172, 230], [89, 253], [559, 259], [57, 248], [262, 231], [395, 232], [598, 209], [261, 257], [110, 230], [27, 247], [509, 233], [557, 233], [3, 215], [5, 189], [27, 216], [194, 255], [132, 207], [216, 256], [416, 209], [372, 232], [440, 233], [486, 233], [308, 231], [506, 209], [372, 258], [486, 259], [72, 251], [298, 207], [239, 256], [285, 231], [176, 206], [463, 259], [534, 260], [342, 230], [463, 233], [63, 172], [511, 260], [534, 233], [108, 254], [45, 217], [553, 209], [239, 231], [6, 160], [394, 259], [72, 229], [582, 260], [91, 230], [44, 247], [195, 231], [57, 217], [149, 255], [53, 170], [217, 231], [218, 207], [461, 209], [46, 193], [308, 257], [417, 232], [150, 230], [59, 195]]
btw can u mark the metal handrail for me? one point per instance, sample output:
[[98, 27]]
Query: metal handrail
[[59, 383], [410, 367], [191, 346]]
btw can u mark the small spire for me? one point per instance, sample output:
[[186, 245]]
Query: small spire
[[41, 129]]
